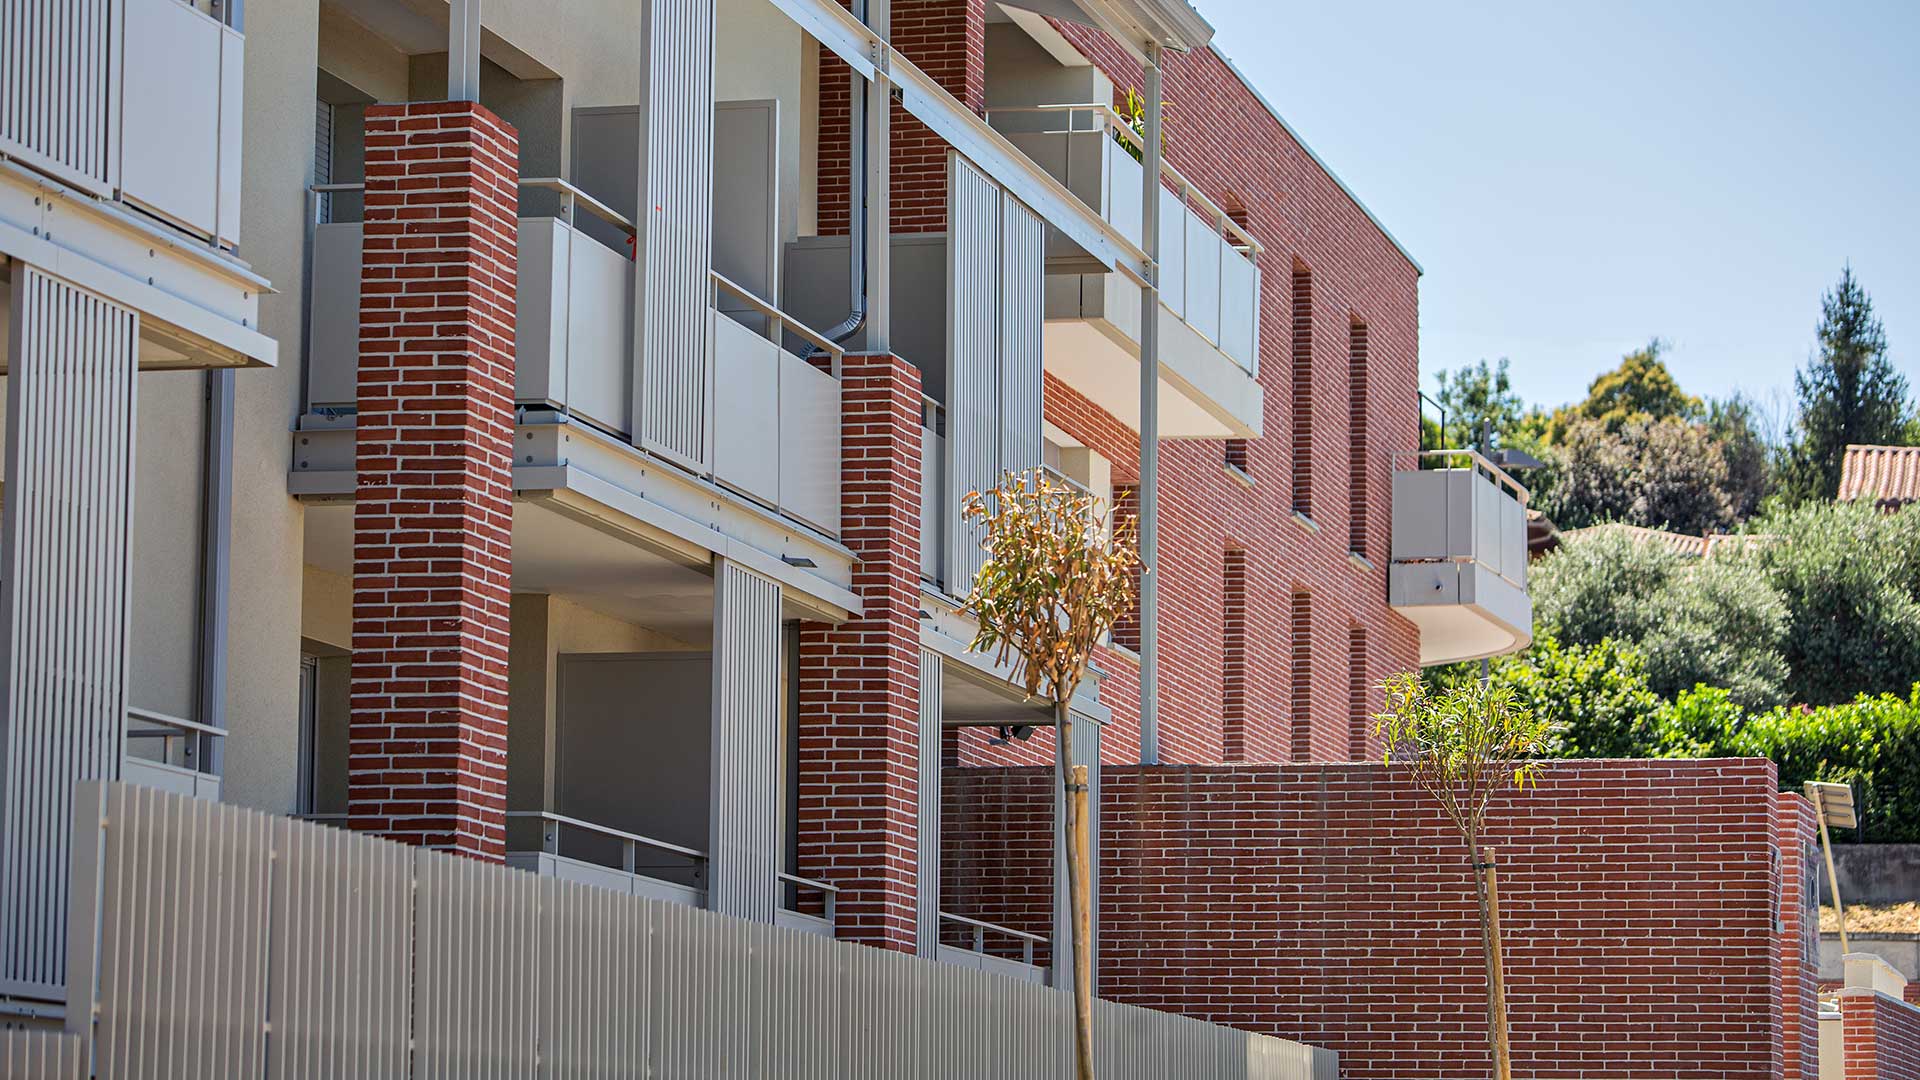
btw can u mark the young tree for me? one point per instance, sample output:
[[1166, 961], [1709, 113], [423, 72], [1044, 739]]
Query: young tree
[[1462, 744], [1849, 393], [1058, 575], [1734, 424]]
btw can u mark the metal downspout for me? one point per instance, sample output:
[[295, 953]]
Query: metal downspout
[[1149, 496]]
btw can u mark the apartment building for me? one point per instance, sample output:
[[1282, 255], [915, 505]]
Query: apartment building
[[537, 431]]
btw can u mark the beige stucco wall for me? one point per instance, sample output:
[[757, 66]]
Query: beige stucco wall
[[263, 659]]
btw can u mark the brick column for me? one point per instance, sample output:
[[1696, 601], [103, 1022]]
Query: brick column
[[860, 682], [433, 511], [1794, 830]]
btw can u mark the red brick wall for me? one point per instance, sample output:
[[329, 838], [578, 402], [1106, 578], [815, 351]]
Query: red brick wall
[[1794, 829], [1333, 904], [433, 513], [1226, 142], [859, 719], [1881, 1036], [947, 40]]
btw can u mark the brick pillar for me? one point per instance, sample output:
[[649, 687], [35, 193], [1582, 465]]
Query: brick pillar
[[1794, 830], [433, 511], [860, 682]]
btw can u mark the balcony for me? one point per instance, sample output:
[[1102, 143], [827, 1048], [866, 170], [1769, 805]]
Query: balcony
[[1209, 282], [171, 754], [1459, 568], [774, 383], [139, 104]]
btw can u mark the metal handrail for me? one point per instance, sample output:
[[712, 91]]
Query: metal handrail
[[829, 893], [778, 317], [630, 843], [176, 727], [1479, 462], [981, 929], [1108, 118], [571, 196]]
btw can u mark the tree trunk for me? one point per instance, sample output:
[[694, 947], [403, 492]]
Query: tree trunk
[[1074, 788], [1490, 949]]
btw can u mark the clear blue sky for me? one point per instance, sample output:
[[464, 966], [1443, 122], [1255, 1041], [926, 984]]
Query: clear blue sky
[[1577, 178]]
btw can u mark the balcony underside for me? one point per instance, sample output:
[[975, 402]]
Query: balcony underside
[[1203, 394], [1464, 610]]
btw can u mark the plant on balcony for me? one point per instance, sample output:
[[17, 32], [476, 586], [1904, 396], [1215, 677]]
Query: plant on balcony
[[1133, 112], [1059, 572], [1462, 744]]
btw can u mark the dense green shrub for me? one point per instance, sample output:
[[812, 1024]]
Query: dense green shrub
[[1717, 621], [1872, 743], [1850, 576], [1595, 696]]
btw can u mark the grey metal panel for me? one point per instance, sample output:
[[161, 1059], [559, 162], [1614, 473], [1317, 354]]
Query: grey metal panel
[[1022, 316], [41, 1055], [746, 196], [341, 903], [60, 87], [333, 339], [743, 862], [927, 878], [673, 380], [597, 948], [476, 1000], [69, 483], [973, 390]]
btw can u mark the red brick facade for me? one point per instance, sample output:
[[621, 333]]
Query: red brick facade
[[948, 41], [1332, 904], [1224, 140], [859, 715], [1881, 1037], [433, 511]]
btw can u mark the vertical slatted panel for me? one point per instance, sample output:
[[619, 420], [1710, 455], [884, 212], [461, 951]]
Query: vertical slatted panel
[[1022, 314], [184, 935], [927, 890], [743, 856], [59, 79], [672, 386], [65, 598], [217, 926], [973, 406], [596, 965], [476, 950], [41, 1055], [341, 903]]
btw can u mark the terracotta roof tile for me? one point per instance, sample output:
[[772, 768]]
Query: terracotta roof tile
[[1887, 473]]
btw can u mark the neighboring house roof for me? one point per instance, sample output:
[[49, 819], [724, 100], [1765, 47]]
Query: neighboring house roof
[[1692, 547], [1890, 474]]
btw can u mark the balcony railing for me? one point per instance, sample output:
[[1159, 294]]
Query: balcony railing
[[1209, 274], [139, 101], [180, 761], [1459, 568], [977, 954], [607, 857], [774, 406]]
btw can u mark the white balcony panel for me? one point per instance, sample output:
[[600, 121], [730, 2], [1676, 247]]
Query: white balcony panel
[[57, 82], [181, 110], [1459, 568], [1205, 251], [170, 778], [933, 502], [1239, 311], [1173, 252], [746, 409], [776, 426], [809, 443], [574, 331]]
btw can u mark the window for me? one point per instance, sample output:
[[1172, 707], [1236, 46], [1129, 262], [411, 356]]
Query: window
[[1357, 439], [1233, 655], [1302, 390], [1301, 626]]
